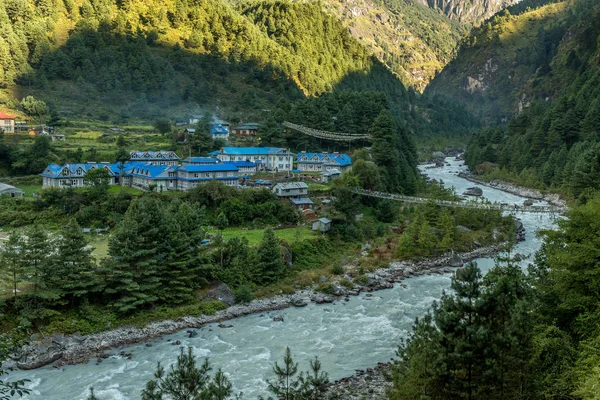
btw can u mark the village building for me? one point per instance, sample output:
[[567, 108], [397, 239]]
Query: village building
[[58, 138], [155, 157], [72, 175], [200, 161], [10, 191], [302, 203], [247, 129], [159, 178], [190, 176], [291, 189], [7, 123], [311, 162], [194, 119], [330, 174], [322, 225], [245, 167], [266, 158], [219, 131], [144, 176]]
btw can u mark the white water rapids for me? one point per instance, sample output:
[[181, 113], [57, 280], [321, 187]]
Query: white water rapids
[[345, 335]]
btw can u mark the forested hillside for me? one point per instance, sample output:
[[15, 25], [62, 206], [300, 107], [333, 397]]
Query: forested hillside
[[512, 59], [174, 52], [554, 143]]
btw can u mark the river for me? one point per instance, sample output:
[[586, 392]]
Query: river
[[345, 335]]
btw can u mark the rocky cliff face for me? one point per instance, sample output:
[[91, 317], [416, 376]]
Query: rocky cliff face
[[469, 11]]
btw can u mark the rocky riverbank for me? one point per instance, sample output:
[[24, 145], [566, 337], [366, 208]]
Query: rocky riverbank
[[551, 198], [369, 384], [75, 349]]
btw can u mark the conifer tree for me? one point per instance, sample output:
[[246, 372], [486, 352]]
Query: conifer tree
[[384, 151], [187, 381], [269, 258], [12, 262], [135, 250], [74, 266], [37, 252], [287, 386]]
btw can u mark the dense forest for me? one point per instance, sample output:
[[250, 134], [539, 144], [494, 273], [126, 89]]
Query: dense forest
[[553, 144], [510, 335]]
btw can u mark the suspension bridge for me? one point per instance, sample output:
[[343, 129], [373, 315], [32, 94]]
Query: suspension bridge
[[512, 208], [335, 136]]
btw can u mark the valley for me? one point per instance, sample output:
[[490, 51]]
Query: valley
[[196, 195]]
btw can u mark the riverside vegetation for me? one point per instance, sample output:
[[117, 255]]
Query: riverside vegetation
[[507, 335]]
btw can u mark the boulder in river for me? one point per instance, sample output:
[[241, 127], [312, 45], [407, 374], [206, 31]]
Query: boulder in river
[[528, 203], [299, 302], [473, 191], [192, 333], [455, 260]]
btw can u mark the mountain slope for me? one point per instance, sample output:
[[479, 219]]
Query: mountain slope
[[497, 69], [555, 141]]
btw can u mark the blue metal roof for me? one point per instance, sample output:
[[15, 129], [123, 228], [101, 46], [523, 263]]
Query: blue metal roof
[[205, 160], [249, 150], [226, 166], [152, 171], [243, 163], [219, 129], [339, 158], [153, 155], [301, 201], [55, 170]]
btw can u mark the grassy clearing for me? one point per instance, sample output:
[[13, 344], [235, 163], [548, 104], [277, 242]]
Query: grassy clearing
[[255, 236], [86, 135], [30, 189], [100, 244], [124, 189]]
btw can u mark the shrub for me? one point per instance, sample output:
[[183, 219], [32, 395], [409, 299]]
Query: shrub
[[326, 288], [361, 279], [347, 283], [337, 270], [211, 307], [244, 294]]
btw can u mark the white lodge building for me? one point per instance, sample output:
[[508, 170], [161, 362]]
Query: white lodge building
[[270, 158], [155, 157], [72, 175]]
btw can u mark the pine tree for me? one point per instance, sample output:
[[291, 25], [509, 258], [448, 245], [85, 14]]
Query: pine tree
[[37, 251], [287, 386], [12, 261], [136, 249], [269, 258], [187, 381], [458, 318], [448, 230], [74, 265], [384, 151], [315, 383], [427, 240]]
